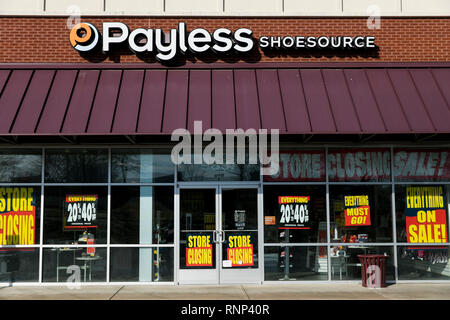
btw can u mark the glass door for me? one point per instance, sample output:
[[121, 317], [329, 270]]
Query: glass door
[[198, 247], [218, 235]]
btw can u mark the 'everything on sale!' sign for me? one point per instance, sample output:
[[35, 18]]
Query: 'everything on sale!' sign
[[199, 250], [294, 212], [357, 211], [80, 212], [17, 215], [240, 250], [426, 220]]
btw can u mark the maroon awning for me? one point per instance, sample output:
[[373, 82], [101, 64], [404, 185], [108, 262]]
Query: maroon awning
[[295, 98]]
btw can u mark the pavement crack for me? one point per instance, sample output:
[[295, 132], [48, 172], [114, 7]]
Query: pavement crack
[[116, 293], [245, 292]]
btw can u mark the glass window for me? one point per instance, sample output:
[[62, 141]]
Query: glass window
[[141, 166], [361, 213], [80, 264], [300, 165], [218, 172], [345, 264], [423, 263], [295, 214], [142, 215], [421, 213], [20, 215], [75, 215], [20, 166], [422, 165], [76, 165], [141, 264], [19, 265], [295, 263], [359, 165]]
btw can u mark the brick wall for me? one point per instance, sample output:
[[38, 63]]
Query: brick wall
[[399, 39]]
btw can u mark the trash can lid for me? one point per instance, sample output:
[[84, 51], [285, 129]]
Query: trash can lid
[[372, 256]]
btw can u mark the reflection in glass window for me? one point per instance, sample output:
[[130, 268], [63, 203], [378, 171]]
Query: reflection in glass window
[[422, 213], [295, 263], [20, 166], [76, 165], [423, 263], [142, 215], [361, 214], [141, 166], [19, 265], [220, 172], [141, 264], [240, 225], [80, 264], [75, 215], [295, 214]]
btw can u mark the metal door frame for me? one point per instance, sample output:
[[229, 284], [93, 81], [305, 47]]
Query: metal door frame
[[201, 272], [218, 187], [251, 276]]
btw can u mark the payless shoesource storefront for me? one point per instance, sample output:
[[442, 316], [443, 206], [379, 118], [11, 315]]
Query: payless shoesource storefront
[[89, 191]]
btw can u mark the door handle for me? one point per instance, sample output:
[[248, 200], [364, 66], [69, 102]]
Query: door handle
[[222, 236], [214, 236]]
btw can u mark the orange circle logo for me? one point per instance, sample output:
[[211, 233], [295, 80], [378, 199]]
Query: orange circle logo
[[84, 37]]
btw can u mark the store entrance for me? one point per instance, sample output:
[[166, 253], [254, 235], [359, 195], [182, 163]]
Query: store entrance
[[218, 235]]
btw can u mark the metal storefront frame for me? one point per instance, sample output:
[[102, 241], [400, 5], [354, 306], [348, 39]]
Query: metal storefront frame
[[109, 147]]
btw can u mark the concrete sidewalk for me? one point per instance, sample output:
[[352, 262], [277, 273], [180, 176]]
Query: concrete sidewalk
[[426, 291]]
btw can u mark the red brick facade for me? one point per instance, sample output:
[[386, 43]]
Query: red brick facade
[[399, 39]]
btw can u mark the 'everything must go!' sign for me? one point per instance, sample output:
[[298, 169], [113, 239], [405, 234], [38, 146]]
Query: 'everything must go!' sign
[[426, 220], [357, 211]]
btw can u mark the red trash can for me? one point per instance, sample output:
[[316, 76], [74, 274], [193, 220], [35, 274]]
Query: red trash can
[[373, 270]]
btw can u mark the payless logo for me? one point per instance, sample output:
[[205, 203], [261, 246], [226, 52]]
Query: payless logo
[[165, 45], [84, 37]]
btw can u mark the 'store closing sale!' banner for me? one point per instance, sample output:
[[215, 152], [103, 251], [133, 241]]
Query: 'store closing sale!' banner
[[17, 215], [426, 220]]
